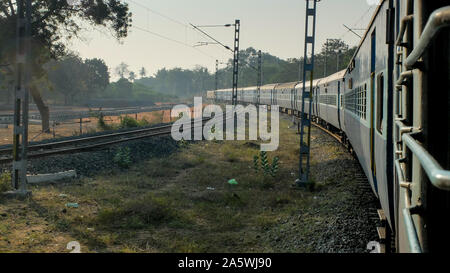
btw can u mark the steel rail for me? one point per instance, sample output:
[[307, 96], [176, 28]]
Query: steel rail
[[103, 144], [86, 139]]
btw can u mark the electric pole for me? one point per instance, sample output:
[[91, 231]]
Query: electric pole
[[259, 76], [217, 74], [237, 28], [23, 77], [338, 59], [326, 59], [308, 67]]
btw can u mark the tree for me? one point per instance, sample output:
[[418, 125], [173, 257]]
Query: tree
[[53, 23], [67, 77], [122, 70], [97, 76], [143, 72], [124, 88], [132, 76], [331, 57]]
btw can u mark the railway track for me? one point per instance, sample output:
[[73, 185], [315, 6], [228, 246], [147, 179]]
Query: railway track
[[87, 143], [90, 143]]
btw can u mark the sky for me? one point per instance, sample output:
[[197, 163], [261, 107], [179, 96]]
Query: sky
[[273, 26]]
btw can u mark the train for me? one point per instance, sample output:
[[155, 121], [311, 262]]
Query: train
[[391, 108]]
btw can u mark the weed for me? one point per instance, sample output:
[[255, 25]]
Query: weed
[[128, 122], [182, 143], [5, 182], [269, 169], [256, 163], [101, 124], [123, 158], [274, 167]]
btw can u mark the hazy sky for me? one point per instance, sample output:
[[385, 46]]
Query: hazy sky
[[274, 26]]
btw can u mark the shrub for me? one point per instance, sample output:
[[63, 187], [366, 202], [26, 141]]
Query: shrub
[[101, 124], [128, 122], [5, 182], [269, 169], [123, 158]]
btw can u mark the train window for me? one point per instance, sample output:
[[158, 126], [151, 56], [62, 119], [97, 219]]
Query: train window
[[380, 103]]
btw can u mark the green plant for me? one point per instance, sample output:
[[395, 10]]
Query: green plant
[[123, 158], [128, 122], [274, 167], [182, 143], [5, 182], [101, 124], [256, 163], [269, 169], [265, 162], [143, 122]]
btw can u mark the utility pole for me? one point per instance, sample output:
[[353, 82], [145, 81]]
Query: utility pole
[[237, 28], [259, 76], [338, 59], [217, 74], [308, 67], [326, 59], [21, 92]]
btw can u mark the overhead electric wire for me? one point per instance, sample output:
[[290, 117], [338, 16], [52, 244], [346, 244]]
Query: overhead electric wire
[[212, 38], [159, 13], [163, 36], [354, 25], [172, 40]]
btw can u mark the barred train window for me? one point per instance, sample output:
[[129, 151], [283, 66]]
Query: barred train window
[[328, 99], [356, 101]]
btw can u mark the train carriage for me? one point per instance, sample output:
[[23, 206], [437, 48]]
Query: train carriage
[[328, 99], [298, 92], [266, 94], [250, 95], [365, 111], [285, 94]]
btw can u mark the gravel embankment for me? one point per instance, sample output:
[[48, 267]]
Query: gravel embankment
[[99, 160], [351, 224]]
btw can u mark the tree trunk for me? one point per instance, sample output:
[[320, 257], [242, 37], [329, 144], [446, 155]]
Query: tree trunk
[[43, 109]]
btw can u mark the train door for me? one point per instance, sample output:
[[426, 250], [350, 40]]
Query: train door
[[372, 109], [339, 103], [293, 99], [316, 101]]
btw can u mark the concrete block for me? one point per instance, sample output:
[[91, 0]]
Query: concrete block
[[19, 195], [52, 177]]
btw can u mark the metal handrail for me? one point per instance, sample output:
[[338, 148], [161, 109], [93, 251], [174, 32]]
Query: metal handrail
[[439, 19], [439, 177], [403, 77], [404, 23], [410, 228], [414, 244]]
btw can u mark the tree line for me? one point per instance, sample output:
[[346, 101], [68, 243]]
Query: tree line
[[334, 56]]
